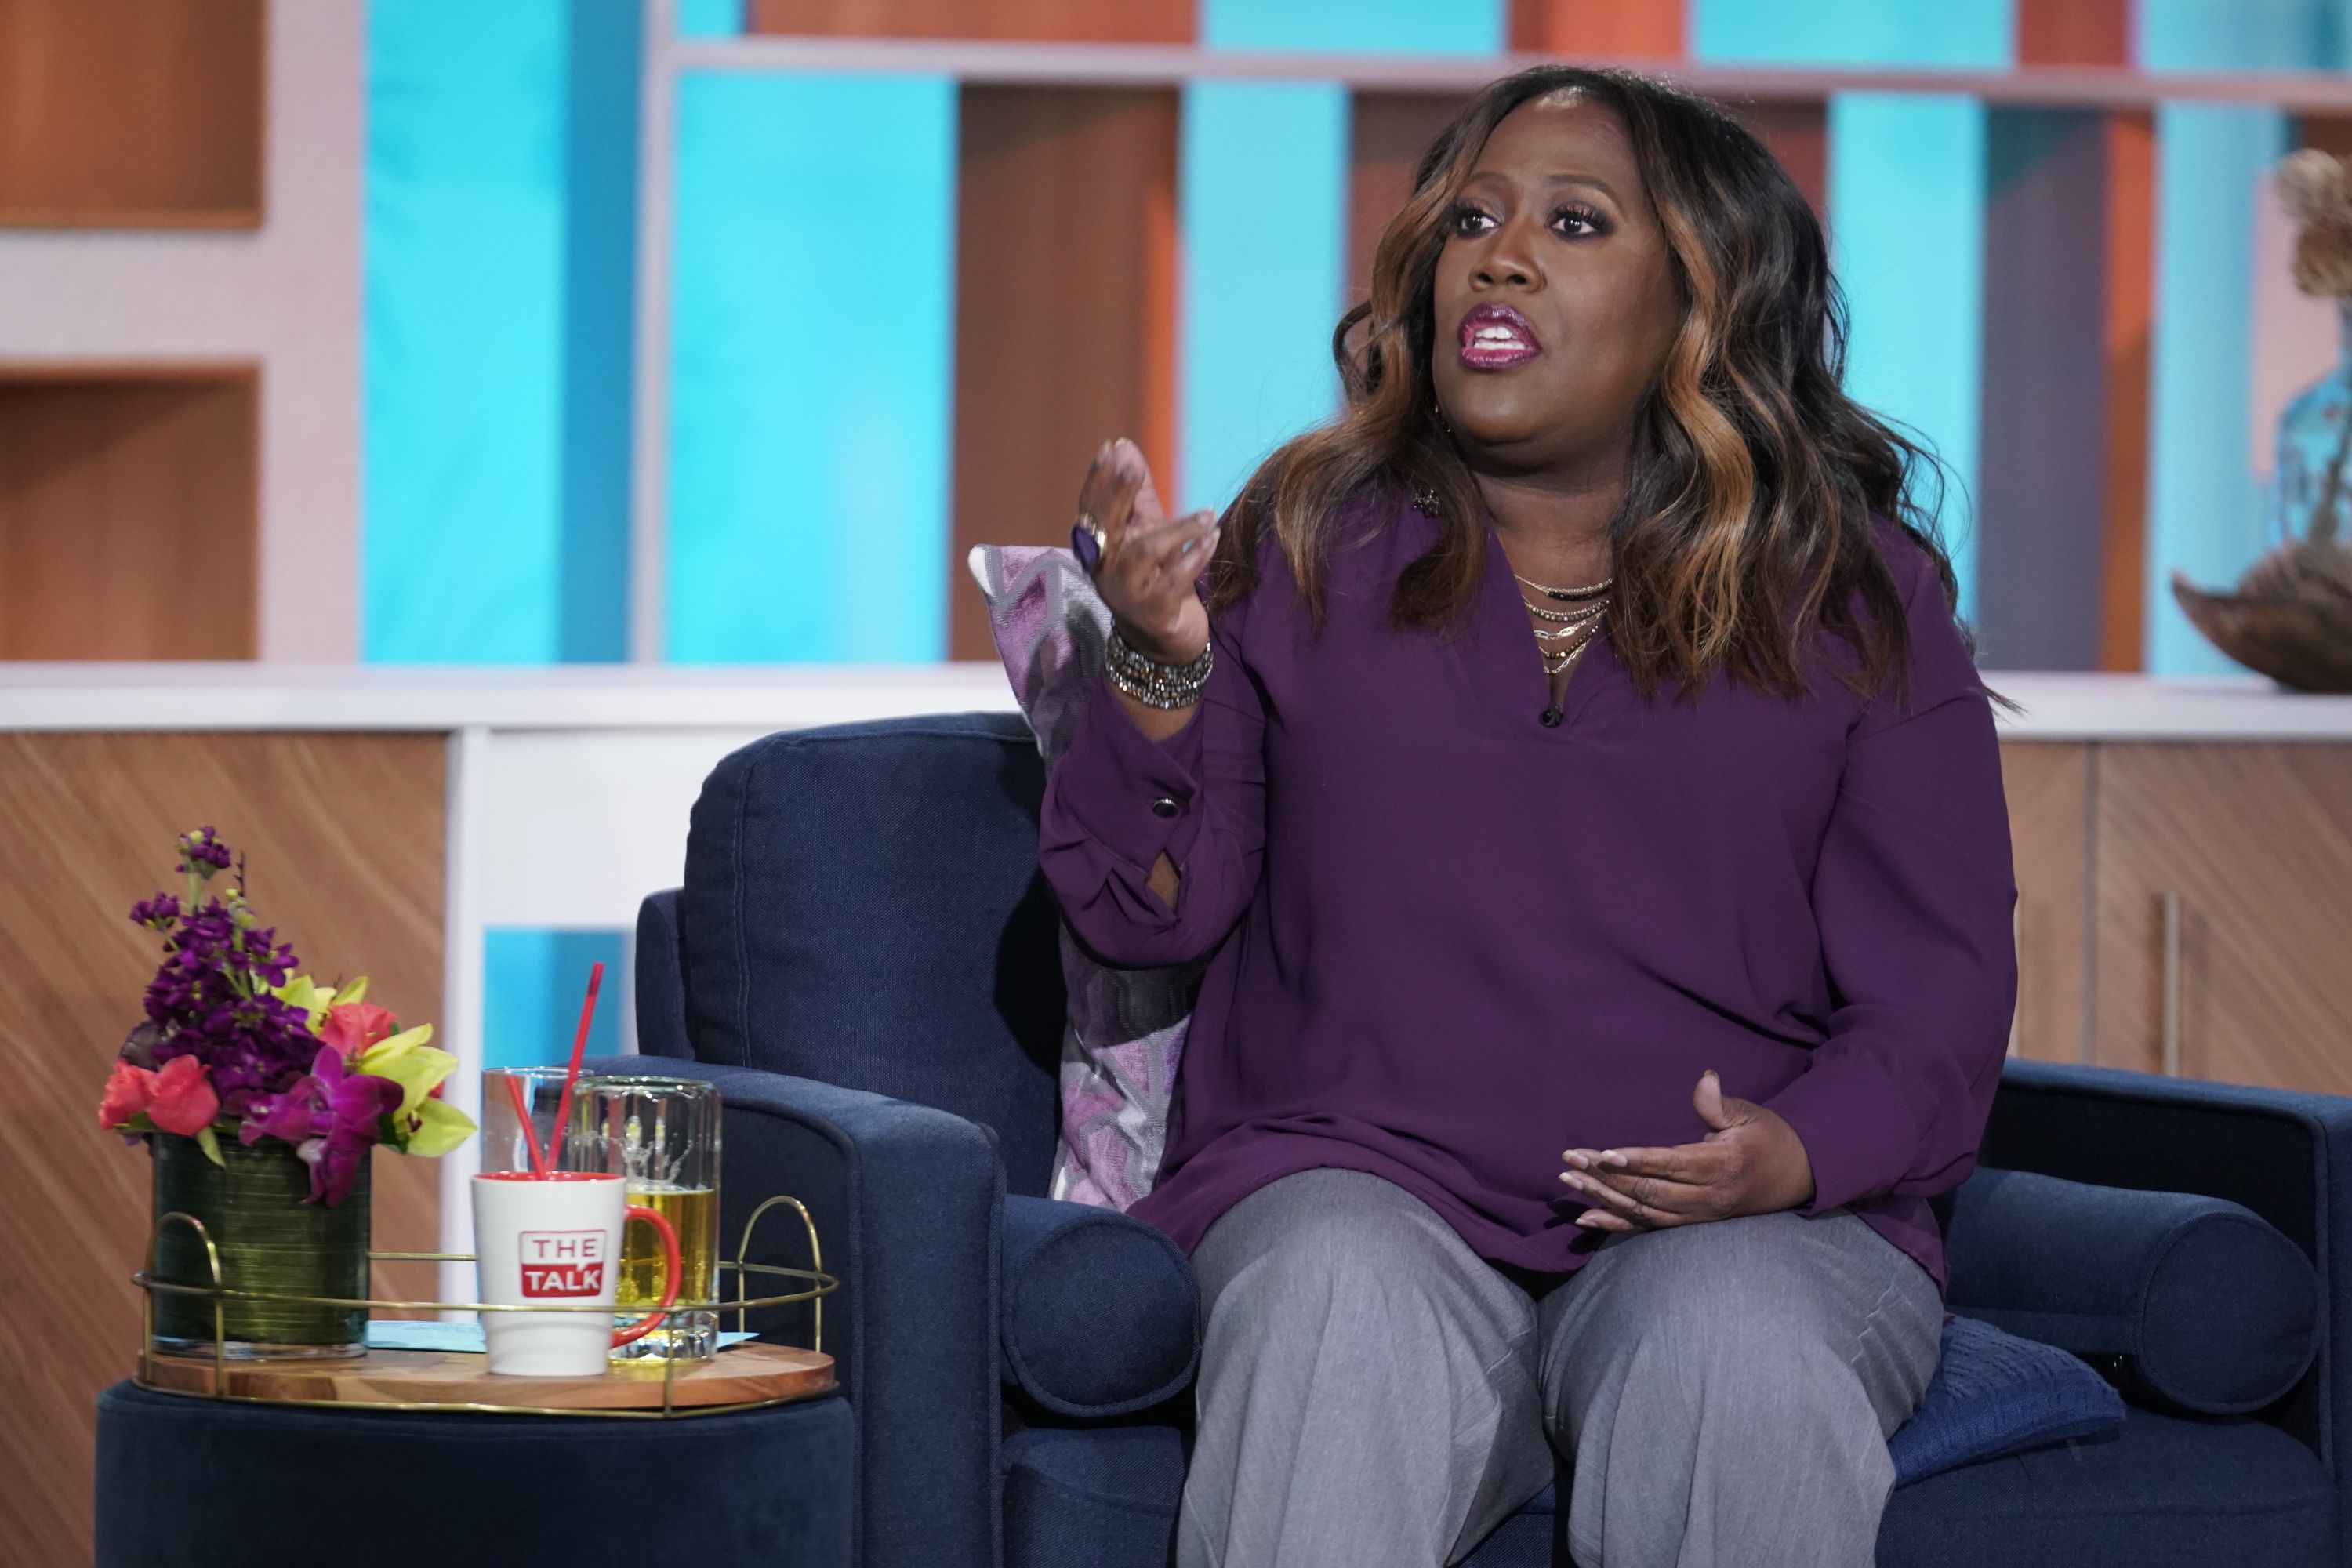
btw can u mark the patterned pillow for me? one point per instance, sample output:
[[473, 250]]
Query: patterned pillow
[[1125, 1028], [1994, 1393]]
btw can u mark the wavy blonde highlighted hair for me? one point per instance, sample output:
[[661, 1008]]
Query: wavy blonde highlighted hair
[[1746, 526]]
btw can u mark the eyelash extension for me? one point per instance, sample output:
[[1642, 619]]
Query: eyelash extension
[[1583, 213], [1589, 216]]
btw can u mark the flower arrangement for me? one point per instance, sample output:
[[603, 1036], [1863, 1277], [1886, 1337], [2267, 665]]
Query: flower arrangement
[[2315, 189], [2289, 616], [235, 1042]]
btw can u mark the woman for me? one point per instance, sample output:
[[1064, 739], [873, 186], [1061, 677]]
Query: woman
[[1585, 789]]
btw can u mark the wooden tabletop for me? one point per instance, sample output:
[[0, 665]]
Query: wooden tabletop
[[746, 1374]]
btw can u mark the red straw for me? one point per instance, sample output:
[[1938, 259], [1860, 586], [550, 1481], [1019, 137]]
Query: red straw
[[579, 1049], [530, 1133]]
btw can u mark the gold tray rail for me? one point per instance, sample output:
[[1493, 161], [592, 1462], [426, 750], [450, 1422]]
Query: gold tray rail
[[820, 1285]]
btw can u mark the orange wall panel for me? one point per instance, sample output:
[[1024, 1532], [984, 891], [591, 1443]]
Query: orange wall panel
[[2073, 32], [2130, 295], [131, 113], [1066, 304], [129, 515], [1646, 29]]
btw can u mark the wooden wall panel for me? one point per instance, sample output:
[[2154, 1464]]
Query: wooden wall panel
[[1390, 130], [344, 836], [1065, 311], [2255, 842], [131, 114], [1644, 29], [2049, 788], [128, 515], [1090, 21]]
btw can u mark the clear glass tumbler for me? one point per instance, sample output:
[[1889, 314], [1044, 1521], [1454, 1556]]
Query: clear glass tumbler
[[503, 1146], [661, 1132]]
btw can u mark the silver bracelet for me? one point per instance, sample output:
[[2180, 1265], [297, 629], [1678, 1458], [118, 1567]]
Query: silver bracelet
[[1152, 683]]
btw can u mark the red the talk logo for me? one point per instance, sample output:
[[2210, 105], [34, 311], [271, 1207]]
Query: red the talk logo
[[563, 1263]]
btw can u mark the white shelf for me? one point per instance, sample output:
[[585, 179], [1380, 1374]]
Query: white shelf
[[463, 697], [2058, 706]]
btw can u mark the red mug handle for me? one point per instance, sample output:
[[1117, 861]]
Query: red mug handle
[[670, 1272]]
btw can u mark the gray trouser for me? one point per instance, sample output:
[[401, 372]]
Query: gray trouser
[[1371, 1393]]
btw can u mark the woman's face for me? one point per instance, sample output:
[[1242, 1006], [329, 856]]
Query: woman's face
[[1555, 301]]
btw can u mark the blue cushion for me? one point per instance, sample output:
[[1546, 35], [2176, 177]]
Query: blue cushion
[[2202, 1304], [2167, 1492], [2161, 1492], [1994, 1393], [861, 907], [1101, 1316]]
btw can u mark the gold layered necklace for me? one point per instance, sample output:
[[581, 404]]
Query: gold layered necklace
[[1563, 635]]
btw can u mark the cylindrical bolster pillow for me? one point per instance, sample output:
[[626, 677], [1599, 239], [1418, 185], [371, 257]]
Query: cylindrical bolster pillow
[[2202, 1302], [1100, 1313]]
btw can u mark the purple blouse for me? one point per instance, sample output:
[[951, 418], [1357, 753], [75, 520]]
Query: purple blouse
[[1452, 940]]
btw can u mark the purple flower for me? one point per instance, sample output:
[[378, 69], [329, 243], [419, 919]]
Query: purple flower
[[210, 996], [158, 912], [333, 1117], [203, 847]]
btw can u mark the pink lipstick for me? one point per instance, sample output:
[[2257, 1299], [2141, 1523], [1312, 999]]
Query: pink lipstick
[[1495, 337]]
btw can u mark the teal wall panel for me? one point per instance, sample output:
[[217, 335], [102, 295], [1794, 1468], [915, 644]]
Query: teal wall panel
[[500, 228], [2204, 502], [812, 368], [710, 18], [461, 398], [1907, 221], [1854, 32], [1349, 27], [1907, 184], [1262, 198], [2205, 513], [535, 981]]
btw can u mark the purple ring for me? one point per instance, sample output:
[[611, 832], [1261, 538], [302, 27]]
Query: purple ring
[[1085, 547]]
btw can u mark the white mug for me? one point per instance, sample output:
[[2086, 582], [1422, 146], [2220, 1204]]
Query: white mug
[[557, 1239]]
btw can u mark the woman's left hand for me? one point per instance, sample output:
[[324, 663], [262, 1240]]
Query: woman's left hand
[[1752, 1162]]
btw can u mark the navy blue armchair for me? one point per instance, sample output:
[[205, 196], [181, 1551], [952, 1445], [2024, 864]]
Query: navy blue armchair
[[864, 960]]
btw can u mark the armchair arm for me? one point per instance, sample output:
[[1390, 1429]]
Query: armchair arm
[[1100, 1315], [2285, 1155], [906, 1202]]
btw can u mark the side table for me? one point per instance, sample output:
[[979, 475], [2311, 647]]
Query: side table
[[198, 1482]]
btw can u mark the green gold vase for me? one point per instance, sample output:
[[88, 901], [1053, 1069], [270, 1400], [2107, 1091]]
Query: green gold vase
[[267, 1238]]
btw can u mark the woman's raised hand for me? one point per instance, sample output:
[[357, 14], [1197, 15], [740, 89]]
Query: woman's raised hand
[[1149, 561]]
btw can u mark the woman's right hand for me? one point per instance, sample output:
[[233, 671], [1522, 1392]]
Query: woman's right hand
[[1149, 561]]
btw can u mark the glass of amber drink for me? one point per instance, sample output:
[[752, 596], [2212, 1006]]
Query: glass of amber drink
[[660, 1133]]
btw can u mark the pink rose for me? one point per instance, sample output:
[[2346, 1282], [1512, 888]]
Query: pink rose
[[183, 1100], [353, 1026], [128, 1091]]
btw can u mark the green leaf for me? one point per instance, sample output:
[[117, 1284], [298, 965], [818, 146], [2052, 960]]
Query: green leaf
[[441, 1127], [209, 1142], [409, 1062]]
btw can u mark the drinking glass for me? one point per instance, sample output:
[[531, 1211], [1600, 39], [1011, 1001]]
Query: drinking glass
[[503, 1146], [661, 1132]]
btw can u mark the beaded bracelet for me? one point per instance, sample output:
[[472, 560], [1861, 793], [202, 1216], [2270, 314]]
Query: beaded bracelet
[[1152, 683]]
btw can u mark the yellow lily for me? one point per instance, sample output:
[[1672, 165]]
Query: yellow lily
[[432, 1126], [314, 999]]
